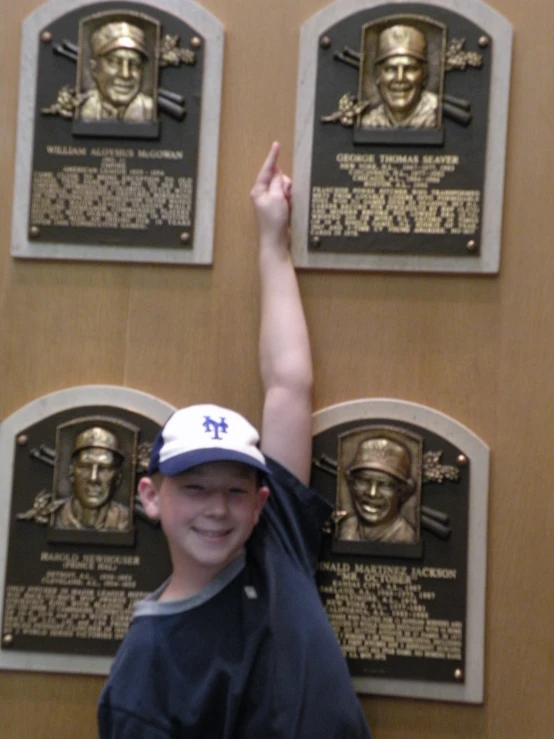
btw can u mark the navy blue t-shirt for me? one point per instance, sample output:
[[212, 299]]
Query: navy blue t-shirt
[[252, 656]]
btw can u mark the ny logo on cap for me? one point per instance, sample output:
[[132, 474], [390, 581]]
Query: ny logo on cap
[[215, 426]]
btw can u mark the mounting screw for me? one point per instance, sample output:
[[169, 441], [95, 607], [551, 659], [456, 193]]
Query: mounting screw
[[46, 37], [22, 439], [184, 238], [196, 42], [7, 640], [34, 231], [471, 245], [316, 242], [458, 674], [325, 42], [461, 459], [484, 41]]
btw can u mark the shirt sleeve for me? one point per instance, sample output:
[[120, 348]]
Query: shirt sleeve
[[293, 516]]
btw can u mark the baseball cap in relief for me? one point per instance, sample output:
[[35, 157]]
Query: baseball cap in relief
[[205, 433]]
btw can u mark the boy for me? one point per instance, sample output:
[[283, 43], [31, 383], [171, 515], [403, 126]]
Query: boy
[[236, 645]]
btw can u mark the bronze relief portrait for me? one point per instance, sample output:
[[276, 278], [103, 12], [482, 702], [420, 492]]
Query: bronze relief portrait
[[117, 68], [379, 486], [94, 480], [95, 473], [91, 499], [401, 73]]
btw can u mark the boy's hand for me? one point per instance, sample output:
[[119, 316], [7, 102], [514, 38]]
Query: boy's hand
[[271, 197]]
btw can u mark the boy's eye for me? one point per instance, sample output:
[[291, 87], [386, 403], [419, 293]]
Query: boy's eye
[[239, 491], [193, 488]]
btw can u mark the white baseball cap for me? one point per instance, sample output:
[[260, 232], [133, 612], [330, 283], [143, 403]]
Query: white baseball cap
[[205, 433]]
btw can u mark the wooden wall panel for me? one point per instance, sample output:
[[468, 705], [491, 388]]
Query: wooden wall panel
[[477, 348]]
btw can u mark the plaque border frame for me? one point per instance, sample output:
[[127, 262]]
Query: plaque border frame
[[37, 410], [472, 690], [488, 260], [201, 252]]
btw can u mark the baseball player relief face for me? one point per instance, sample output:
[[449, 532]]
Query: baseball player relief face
[[375, 495], [400, 81], [119, 75], [95, 472]]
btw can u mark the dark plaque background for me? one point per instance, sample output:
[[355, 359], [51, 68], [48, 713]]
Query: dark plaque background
[[400, 617], [118, 191], [73, 598], [336, 222]]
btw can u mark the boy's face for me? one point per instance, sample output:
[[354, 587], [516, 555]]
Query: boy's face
[[208, 513]]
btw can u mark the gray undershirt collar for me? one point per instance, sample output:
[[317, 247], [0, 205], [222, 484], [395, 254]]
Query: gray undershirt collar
[[151, 606]]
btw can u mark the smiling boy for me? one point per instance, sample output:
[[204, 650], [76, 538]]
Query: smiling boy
[[206, 495], [237, 645]]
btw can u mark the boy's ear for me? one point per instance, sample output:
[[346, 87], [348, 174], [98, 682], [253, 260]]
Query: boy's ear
[[149, 497], [263, 495]]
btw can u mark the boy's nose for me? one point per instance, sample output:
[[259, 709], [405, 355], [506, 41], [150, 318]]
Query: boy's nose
[[218, 503]]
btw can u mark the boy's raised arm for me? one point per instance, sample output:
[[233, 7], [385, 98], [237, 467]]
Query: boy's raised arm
[[285, 358]]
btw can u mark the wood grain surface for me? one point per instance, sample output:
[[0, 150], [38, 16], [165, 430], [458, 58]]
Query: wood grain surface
[[479, 349]]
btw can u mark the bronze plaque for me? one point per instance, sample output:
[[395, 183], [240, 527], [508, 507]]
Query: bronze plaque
[[122, 115], [80, 549], [400, 134], [394, 570], [401, 162]]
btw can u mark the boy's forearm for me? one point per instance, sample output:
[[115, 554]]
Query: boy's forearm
[[285, 365]]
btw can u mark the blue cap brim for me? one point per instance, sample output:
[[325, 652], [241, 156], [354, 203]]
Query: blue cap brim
[[187, 460]]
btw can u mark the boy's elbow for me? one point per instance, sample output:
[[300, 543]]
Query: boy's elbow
[[299, 385]]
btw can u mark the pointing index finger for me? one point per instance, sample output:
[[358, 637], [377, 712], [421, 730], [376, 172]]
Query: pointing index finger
[[268, 167]]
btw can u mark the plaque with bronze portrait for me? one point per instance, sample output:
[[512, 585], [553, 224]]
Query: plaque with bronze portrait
[[121, 113], [395, 567], [79, 548], [402, 164]]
